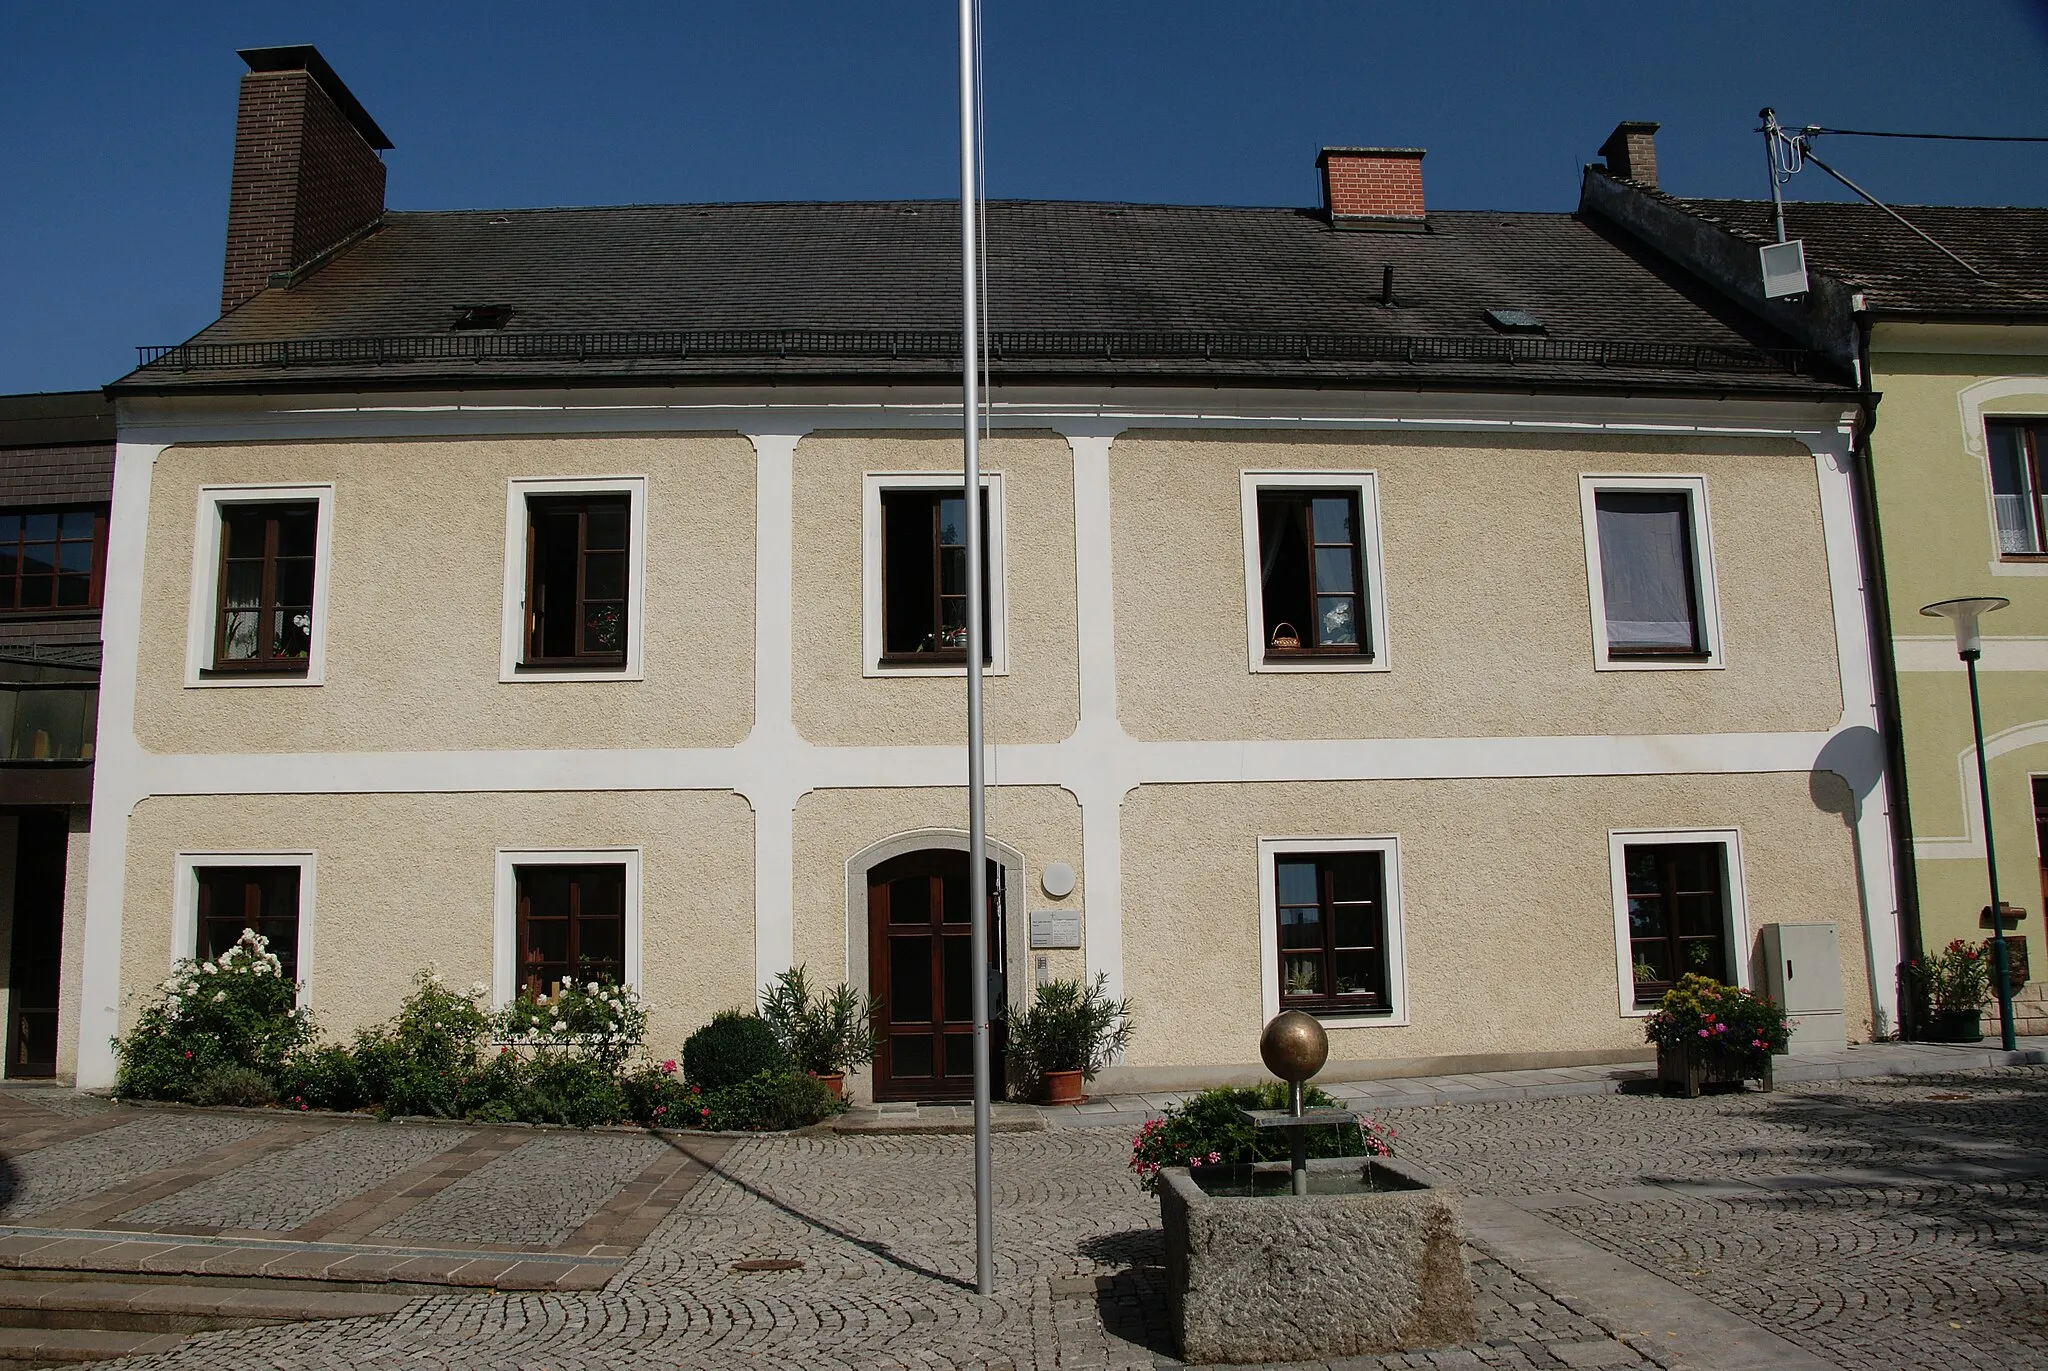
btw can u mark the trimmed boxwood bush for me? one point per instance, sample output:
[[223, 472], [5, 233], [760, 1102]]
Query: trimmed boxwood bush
[[734, 1047]]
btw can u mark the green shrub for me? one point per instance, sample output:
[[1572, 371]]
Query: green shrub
[[1956, 979], [825, 1032], [323, 1077], [658, 1097], [603, 1022], [568, 1088], [236, 1010], [1209, 1129], [771, 1100], [734, 1047], [1067, 1027], [420, 1062], [235, 1085]]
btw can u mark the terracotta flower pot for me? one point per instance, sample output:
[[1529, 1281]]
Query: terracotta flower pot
[[1062, 1087], [834, 1081]]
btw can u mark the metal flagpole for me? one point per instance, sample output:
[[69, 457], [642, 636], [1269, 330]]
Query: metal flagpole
[[977, 815]]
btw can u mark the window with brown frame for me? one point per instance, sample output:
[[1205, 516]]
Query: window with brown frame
[[572, 925], [1677, 914], [924, 578], [577, 565], [263, 898], [52, 559], [263, 621], [1312, 574], [1332, 932], [1649, 576], [2019, 486]]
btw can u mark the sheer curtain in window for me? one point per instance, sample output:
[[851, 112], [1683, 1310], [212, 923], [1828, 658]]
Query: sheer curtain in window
[[1646, 571]]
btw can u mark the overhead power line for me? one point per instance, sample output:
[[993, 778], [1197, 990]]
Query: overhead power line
[[1943, 137]]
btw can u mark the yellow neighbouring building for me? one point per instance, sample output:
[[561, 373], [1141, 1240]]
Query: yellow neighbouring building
[[1955, 452]]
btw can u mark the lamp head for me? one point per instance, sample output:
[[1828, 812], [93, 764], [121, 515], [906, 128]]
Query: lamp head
[[1964, 614]]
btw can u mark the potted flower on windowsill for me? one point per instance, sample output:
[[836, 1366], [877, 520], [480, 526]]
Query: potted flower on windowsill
[[1708, 1033], [1066, 1036], [823, 1033], [1957, 983]]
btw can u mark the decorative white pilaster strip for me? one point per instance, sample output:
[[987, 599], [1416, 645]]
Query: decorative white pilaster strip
[[770, 760]]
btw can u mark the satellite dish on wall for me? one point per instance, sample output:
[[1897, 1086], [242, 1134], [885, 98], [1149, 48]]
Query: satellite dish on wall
[[1784, 269]]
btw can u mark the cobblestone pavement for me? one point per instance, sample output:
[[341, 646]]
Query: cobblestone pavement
[[1890, 1223], [53, 1176], [536, 1195], [282, 1190]]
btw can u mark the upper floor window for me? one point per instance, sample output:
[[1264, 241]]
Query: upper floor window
[[576, 580], [1312, 571], [1651, 572], [263, 620], [915, 575], [2019, 494], [51, 559]]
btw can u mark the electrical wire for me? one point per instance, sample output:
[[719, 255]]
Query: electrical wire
[[1942, 137]]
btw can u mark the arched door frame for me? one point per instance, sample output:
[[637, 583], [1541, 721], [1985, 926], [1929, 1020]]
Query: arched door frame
[[1016, 916]]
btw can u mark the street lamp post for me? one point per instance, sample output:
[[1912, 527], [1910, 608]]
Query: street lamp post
[[1964, 614]]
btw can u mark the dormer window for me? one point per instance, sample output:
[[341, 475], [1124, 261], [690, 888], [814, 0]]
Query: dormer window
[[471, 317]]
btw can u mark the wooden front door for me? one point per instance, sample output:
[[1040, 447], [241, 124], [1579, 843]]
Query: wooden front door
[[920, 967]]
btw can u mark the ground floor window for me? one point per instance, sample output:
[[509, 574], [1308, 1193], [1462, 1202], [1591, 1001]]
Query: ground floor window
[[571, 925], [1677, 909], [1332, 935], [235, 898]]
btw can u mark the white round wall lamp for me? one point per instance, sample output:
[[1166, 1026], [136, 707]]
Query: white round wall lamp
[[1058, 880]]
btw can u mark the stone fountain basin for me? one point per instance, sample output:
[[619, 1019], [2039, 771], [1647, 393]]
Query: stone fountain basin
[[1368, 1261]]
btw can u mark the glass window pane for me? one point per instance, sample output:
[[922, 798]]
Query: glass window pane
[[910, 900], [1333, 569], [1354, 875], [1358, 925], [604, 628], [1645, 916], [1702, 957], [1646, 570], [295, 528], [601, 890], [600, 948], [604, 576], [1336, 621], [910, 1055], [1301, 974], [1651, 961], [1333, 522], [953, 897], [1301, 926], [245, 584], [38, 559], [242, 529], [1699, 916], [547, 940], [238, 635], [36, 591], [1696, 866], [74, 556], [957, 990], [74, 590], [2012, 493], [959, 1054], [1356, 973], [953, 522], [48, 725], [604, 529], [953, 622], [10, 528], [39, 527], [909, 996], [290, 633], [953, 571], [75, 523], [1297, 881], [1641, 865], [295, 581], [545, 891]]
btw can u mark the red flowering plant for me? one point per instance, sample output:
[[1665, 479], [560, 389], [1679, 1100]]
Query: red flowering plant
[[1210, 1129], [658, 1097], [1724, 1020], [1957, 979]]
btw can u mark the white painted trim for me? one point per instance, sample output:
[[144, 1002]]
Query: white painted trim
[[2023, 652], [1735, 913], [1970, 844], [1389, 847], [512, 624], [1016, 900], [1591, 485], [1970, 402], [505, 909], [1366, 485], [871, 618], [203, 606], [770, 768], [185, 903]]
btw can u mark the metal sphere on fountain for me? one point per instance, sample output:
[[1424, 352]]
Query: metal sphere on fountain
[[1294, 1046]]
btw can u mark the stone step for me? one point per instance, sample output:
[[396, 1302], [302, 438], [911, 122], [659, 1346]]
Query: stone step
[[143, 1307], [22, 1348]]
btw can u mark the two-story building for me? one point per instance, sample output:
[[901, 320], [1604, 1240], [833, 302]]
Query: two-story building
[[1445, 622], [1951, 340]]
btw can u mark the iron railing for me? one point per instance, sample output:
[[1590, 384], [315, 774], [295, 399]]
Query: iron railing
[[1016, 345]]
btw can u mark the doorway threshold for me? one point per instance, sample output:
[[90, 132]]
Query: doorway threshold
[[905, 1118]]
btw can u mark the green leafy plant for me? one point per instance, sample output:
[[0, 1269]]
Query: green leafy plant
[[322, 1077], [1702, 1014], [235, 1010], [771, 1099], [234, 1085], [823, 1032], [735, 1046], [657, 1096], [573, 1089], [1068, 1027], [605, 1023], [1210, 1129], [420, 1061], [1957, 979]]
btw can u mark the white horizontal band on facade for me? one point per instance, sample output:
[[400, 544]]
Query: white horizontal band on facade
[[773, 767]]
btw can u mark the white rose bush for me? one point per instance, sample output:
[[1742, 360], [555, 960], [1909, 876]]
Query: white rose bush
[[233, 1014]]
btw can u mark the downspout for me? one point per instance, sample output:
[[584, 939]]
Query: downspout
[[1863, 484]]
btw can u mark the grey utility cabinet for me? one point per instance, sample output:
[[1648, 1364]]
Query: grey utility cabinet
[[1803, 972]]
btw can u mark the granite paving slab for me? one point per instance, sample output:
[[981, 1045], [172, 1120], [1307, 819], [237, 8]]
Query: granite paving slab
[[50, 1177]]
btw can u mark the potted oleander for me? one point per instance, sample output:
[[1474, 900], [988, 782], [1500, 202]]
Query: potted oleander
[[1708, 1033], [824, 1032], [1064, 1038], [1957, 984]]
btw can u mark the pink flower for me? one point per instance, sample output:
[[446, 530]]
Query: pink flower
[[1703, 1032], [669, 1067]]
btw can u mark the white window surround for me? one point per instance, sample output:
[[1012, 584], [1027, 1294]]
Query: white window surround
[[505, 909], [1269, 920], [1736, 911], [1366, 484], [200, 615], [185, 903], [1705, 601], [513, 629], [871, 618]]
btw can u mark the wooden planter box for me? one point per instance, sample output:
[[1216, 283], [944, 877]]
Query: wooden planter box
[[1684, 1070]]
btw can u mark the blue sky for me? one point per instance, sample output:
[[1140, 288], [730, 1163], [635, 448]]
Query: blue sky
[[116, 120]]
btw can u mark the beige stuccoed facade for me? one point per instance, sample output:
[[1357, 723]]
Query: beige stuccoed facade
[[760, 762]]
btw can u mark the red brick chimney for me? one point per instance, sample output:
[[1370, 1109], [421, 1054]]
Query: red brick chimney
[[307, 175], [1372, 187], [1631, 152]]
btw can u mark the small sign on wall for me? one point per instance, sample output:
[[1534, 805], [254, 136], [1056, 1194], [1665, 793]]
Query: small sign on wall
[[1055, 928]]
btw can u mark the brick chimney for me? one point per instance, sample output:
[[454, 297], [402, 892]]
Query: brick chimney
[[1631, 152], [1372, 187], [307, 176]]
